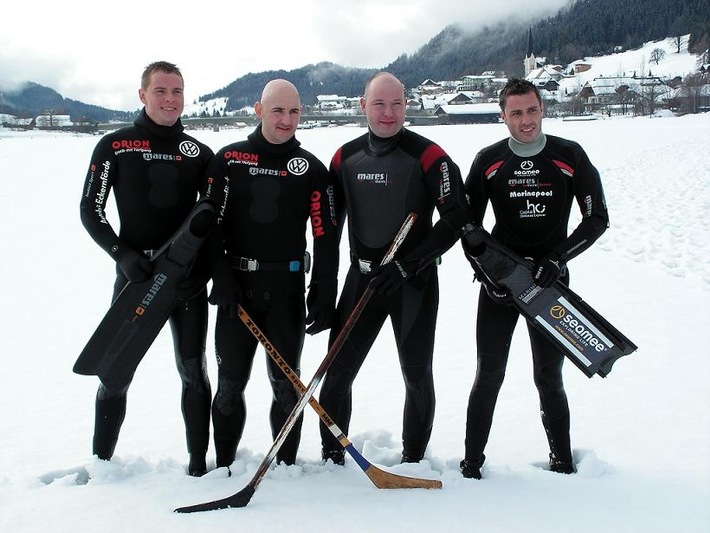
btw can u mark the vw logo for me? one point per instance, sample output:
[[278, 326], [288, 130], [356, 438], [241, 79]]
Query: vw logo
[[526, 165], [189, 148], [298, 166]]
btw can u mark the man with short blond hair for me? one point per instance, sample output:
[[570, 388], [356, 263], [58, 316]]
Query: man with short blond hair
[[155, 171]]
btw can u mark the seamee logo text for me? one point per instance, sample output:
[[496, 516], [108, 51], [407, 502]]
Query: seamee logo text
[[573, 324]]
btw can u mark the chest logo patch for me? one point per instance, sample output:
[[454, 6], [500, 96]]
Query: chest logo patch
[[526, 165], [189, 149], [298, 166]]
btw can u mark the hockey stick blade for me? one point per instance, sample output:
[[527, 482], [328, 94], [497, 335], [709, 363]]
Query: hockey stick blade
[[380, 478], [320, 372], [387, 480], [240, 499]]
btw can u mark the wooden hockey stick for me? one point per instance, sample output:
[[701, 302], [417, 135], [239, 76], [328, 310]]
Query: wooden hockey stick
[[380, 478]]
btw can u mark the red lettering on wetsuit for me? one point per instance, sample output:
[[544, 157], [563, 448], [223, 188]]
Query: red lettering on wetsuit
[[241, 156], [316, 216], [128, 144]]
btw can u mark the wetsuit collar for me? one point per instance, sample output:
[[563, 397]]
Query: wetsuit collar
[[527, 149], [258, 138], [380, 145], [145, 122]]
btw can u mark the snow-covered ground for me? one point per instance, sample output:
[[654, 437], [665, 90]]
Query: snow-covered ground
[[641, 437]]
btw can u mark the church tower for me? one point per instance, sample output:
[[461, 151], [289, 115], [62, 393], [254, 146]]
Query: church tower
[[530, 62]]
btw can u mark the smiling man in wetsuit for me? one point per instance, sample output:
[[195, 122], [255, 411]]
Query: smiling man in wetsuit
[[379, 178], [267, 189], [154, 170], [531, 181]]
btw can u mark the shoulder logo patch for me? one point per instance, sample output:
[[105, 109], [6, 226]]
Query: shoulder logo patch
[[189, 149], [298, 166]]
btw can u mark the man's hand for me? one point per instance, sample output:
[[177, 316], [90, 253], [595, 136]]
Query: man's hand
[[226, 293], [321, 305], [136, 267], [548, 269], [388, 278]]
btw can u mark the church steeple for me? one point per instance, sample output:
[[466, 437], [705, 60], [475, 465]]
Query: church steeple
[[530, 46], [530, 63]]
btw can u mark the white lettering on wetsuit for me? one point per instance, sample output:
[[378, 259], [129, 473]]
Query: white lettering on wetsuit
[[530, 194], [533, 210], [379, 178], [445, 184], [148, 156], [266, 172], [101, 194]]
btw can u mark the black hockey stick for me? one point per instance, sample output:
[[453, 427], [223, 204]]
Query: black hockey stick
[[242, 498]]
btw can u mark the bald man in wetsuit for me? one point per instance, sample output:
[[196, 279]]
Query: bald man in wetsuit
[[155, 171], [267, 189], [379, 178]]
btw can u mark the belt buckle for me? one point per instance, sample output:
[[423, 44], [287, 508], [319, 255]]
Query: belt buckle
[[248, 265], [365, 266]]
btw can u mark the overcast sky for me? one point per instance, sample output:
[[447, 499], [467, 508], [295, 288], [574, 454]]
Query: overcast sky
[[95, 52]]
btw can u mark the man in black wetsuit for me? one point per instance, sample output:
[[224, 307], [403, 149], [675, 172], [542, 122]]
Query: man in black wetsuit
[[379, 178], [531, 180], [267, 188], [155, 171]]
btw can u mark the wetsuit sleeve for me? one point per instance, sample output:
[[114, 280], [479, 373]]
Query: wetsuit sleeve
[[589, 195], [216, 184], [443, 180], [216, 187], [324, 225], [338, 192], [475, 190], [98, 183]]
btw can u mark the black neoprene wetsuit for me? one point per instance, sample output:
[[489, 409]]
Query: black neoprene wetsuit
[[154, 173], [267, 193], [531, 195], [378, 182]]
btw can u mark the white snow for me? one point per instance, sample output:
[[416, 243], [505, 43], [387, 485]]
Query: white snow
[[641, 437]]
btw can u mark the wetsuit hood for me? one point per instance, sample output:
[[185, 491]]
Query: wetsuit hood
[[145, 122], [381, 145], [257, 137]]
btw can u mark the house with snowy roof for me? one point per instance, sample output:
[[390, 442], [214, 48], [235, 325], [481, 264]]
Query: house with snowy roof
[[468, 113]]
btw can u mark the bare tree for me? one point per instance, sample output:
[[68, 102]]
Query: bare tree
[[677, 42], [657, 55]]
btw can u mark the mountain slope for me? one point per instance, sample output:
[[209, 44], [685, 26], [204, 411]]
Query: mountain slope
[[583, 28]]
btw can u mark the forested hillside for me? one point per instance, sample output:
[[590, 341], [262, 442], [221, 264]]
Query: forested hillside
[[584, 28]]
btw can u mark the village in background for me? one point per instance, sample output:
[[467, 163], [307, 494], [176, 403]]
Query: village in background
[[660, 77]]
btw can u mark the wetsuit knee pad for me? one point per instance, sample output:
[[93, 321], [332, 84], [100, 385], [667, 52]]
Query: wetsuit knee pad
[[417, 376], [490, 379], [110, 390], [284, 394], [193, 373], [229, 394]]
